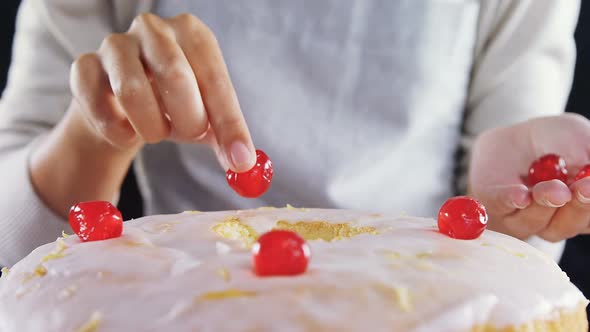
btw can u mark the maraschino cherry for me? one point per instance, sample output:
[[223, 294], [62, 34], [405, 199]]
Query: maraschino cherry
[[462, 218], [280, 253], [548, 167], [583, 173], [254, 182], [96, 220]]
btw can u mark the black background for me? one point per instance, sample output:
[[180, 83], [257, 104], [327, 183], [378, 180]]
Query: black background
[[577, 249]]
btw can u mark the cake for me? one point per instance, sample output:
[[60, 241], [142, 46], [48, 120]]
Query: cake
[[368, 272]]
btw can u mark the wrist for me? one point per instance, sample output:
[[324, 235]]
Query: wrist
[[74, 163]]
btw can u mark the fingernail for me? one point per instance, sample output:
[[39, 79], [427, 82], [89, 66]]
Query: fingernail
[[521, 205], [241, 157], [583, 199], [551, 204], [520, 200]]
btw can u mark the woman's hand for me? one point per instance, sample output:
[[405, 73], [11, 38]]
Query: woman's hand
[[164, 79], [551, 210]]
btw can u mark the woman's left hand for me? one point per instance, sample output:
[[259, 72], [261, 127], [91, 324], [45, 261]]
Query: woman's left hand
[[552, 210]]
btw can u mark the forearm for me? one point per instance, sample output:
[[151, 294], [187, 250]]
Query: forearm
[[74, 164], [25, 221]]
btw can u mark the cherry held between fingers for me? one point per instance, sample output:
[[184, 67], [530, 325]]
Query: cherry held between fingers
[[583, 173], [254, 182], [548, 167]]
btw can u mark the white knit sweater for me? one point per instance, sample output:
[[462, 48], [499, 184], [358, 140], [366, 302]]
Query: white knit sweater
[[360, 104]]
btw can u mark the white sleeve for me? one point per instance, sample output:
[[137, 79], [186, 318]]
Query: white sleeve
[[524, 64], [35, 99]]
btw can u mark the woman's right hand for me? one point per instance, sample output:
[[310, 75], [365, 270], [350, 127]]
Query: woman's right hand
[[163, 79]]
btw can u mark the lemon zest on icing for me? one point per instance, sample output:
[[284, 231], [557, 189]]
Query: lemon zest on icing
[[506, 250], [52, 255], [401, 295], [419, 256], [92, 324], [291, 207], [39, 271], [24, 291], [390, 254], [57, 252], [163, 228], [224, 274], [132, 244], [61, 245], [418, 261], [27, 276], [323, 230], [424, 266], [64, 235], [403, 298], [68, 292], [226, 294], [423, 255], [5, 271], [234, 229]]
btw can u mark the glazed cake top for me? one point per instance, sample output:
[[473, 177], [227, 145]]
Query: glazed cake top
[[192, 271]]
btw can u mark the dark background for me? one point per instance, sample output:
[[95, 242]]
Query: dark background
[[577, 249]]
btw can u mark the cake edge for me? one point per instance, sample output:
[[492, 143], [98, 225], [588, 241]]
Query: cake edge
[[567, 320]]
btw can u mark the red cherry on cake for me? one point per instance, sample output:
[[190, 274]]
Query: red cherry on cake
[[583, 173], [280, 253], [254, 182], [96, 220], [462, 218], [548, 167]]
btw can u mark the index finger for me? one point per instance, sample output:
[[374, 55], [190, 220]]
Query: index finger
[[504, 200], [219, 97]]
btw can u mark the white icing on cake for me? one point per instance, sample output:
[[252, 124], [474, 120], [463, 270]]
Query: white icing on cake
[[174, 273]]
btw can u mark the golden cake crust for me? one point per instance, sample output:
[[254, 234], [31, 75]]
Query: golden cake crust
[[567, 321]]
